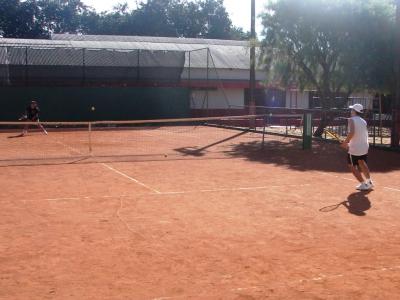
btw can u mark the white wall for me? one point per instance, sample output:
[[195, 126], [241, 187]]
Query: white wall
[[302, 99], [217, 99], [365, 99]]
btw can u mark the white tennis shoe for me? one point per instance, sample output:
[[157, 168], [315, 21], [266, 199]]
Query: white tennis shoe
[[363, 187], [370, 183]]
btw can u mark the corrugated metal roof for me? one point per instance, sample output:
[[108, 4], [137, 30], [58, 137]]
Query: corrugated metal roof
[[146, 39], [224, 54]]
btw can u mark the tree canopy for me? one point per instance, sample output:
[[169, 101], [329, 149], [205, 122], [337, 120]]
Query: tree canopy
[[173, 18], [335, 46]]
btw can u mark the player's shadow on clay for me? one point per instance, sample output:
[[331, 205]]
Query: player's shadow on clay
[[16, 136], [356, 204]]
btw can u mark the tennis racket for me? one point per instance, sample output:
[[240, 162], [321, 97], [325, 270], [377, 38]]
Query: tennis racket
[[332, 207], [333, 135], [23, 118]]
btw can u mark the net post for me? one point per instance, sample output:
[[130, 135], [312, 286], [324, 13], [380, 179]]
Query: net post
[[263, 133], [208, 78], [374, 127], [380, 117], [307, 131], [286, 125], [90, 137]]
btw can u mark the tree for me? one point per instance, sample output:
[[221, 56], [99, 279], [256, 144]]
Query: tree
[[328, 46], [38, 19], [171, 18], [62, 16], [20, 19], [8, 16], [174, 18], [216, 21]]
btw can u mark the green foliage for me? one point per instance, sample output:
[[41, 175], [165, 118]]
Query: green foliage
[[332, 46], [174, 18]]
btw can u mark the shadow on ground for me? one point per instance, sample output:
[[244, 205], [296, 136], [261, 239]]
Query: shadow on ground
[[324, 156], [356, 204]]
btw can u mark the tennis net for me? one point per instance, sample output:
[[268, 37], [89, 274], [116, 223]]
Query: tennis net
[[70, 142]]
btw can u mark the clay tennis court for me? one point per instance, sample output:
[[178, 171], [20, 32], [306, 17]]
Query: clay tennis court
[[231, 221]]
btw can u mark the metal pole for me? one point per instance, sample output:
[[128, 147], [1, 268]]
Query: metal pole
[[380, 118], [307, 131], [263, 135], [395, 137], [83, 66], [190, 80], [208, 53], [374, 127], [90, 138], [138, 66], [26, 66], [252, 102]]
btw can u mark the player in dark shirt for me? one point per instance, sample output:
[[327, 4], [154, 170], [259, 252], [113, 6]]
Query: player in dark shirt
[[32, 115]]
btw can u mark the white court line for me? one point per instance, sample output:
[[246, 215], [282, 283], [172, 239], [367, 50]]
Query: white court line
[[114, 170], [67, 146], [336, 176], [77, 198], [123, 221], [130, 178], [321, 277], [172, 193], [391, 189], [232, 189], [353, 180], [318, 278]]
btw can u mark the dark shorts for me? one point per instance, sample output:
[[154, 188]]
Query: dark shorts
[[353, 159], [32, 120]]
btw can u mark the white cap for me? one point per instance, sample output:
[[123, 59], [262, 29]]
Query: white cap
[[357, 107]]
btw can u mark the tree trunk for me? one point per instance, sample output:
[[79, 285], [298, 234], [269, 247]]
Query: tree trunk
[[326, 115], [326, 104], [326, 119]]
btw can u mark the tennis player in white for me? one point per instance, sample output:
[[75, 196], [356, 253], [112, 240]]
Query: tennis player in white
[[357, 145]]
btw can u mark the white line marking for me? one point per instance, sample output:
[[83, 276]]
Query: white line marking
[[175, 297], [170, 193], [123, 221], [61, 199], [77, 198], [130, 178], [245, 288], [336, 176], [349, 179], [284, 284], [72, 149], [391, 189], [321, 277], [232, 189]]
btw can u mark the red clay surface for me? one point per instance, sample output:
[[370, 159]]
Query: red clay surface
[[244, 225]]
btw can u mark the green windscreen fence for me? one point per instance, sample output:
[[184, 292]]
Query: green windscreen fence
[[61, 66], [96, 103]]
